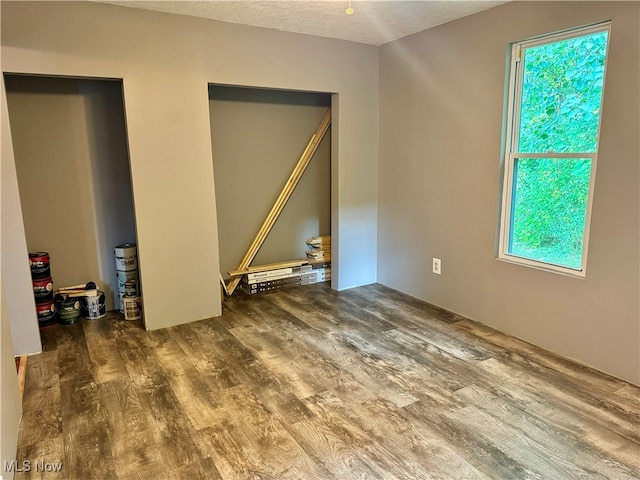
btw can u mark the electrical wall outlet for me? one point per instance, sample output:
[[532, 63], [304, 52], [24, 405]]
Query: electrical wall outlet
[[437, 266]]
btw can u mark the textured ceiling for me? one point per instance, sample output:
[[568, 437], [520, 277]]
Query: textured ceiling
[[374, 22]]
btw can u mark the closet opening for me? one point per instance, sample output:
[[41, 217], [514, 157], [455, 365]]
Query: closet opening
[[258, 138]]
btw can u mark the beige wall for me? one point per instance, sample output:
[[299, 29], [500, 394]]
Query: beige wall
[[73, 174], [166, 63], [441, 106], [258, 136]]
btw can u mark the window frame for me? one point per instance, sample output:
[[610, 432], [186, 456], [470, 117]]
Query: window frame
[[510, 156]]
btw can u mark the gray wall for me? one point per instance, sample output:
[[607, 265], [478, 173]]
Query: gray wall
[[441, 108], [11, 406], [72, 164], [257, 138], [16, 277], [166, 63]]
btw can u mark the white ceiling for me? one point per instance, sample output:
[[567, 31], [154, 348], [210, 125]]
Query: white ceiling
[[374, 22]]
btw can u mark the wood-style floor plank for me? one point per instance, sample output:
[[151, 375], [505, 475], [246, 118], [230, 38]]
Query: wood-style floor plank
[[106, 361], [566, 454], [310, 383], [50, 451], [134, 451], [45, 420], [392, 446], [248, 442]]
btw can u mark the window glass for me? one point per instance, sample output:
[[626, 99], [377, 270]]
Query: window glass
[[549, 209], [561, 95]]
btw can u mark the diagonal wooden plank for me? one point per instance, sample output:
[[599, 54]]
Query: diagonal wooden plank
[[282, 199]]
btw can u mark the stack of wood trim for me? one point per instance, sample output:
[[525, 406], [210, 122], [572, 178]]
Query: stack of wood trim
[[284, 277], [320, 248], [270, 266]]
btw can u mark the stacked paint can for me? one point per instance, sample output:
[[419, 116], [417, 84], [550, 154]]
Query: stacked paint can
[[129, 293], [40, 265]]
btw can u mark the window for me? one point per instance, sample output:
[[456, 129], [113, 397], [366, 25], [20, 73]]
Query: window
[[553, 119]]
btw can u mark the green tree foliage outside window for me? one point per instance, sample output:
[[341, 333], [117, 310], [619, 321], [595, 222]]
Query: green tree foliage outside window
[[561, 95]]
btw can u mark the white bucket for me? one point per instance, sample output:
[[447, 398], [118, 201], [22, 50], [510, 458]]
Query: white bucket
[[132, 307], [93, 308], [126, 257]]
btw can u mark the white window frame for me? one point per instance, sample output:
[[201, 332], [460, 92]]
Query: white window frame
[[510, 155]]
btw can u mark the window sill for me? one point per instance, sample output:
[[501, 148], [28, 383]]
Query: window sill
[[545, 267]]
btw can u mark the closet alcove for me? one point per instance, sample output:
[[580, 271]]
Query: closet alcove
[[72, 163]]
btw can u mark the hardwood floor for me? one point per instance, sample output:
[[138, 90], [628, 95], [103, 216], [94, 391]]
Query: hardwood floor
[[309, 383]]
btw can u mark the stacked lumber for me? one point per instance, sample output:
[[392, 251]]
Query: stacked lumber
[[319, 248], [267, 278], [267, 281], [270, 280]]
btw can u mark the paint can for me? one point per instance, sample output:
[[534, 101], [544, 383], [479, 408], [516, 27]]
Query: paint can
[[121, 296], [46, 314], [126, 275], [121, 299], [43, 290], [93, 307], [68, 309], [128, 282], [132, 307], [126, 257], [39, 263], [131, 288]]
